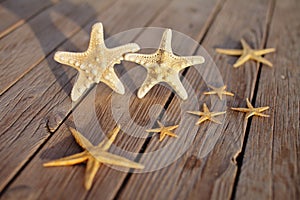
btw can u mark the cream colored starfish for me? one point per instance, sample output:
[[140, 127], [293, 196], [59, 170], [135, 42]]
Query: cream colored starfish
[[96, 63], [206, 115], [164, 131], [94, 156], [247, 53], [219, 91], [163, 66], [251, 111]]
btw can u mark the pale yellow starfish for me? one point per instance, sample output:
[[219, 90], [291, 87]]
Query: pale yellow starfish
[[96, 63], [247, 53], [164, 131], [252, 111], [219, 91], [94, 156], [206, 115], [163, 66]]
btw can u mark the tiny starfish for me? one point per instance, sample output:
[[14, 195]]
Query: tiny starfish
[[163, 66], [247, 53], [96, 63], [164, 131], [251, 111], [219, 91], [207, 115], [94, 155]]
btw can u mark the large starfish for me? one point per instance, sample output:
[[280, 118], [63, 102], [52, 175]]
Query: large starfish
[[164, 131], [219, 91], [163, 66], [94, 156], [206, 115], [251, 111], [247, 53], [96, 63]]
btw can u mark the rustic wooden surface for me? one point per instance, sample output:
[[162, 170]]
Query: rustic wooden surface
[[254, 159]]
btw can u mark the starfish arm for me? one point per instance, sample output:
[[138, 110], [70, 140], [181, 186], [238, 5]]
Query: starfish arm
[[210, 92], [249, 103], [202, 119], [162, 136], [218, 113], [245, 44], [81, 85], [146, 86], [170, 128], [190, 60], [112, 159], [205, 108], [169, 133], [231, 52], [249, 114], [69, 58], [215, 120], [241, 60], [155, 130], [120, 51], [69, 160], [166, 40], [110, 78], [176, 84], [91, 170], [80, 139], [241, 109], [261, 114], [97, 37], [228, 93], [196, 113], [264, 51], [220, 95], [106, 143], [142, 59], [261, 109], [262, 60], [160, 124]]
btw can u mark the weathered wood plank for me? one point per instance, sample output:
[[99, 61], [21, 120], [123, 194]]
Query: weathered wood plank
[[14, 13], [107, 179], [24, 48], [271, 162], [195, 175], [27, 106]]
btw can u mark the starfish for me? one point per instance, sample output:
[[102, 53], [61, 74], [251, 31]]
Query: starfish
[[163, 66], [251, 111], [207, 115], [247, 53], [94, 156], [219, 91], [164, 131], [96, 63]]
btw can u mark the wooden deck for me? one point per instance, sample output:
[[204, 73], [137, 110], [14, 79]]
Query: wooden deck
[[251, 159]]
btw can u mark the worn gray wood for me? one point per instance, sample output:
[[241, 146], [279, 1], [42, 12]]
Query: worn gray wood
[[271, 163]]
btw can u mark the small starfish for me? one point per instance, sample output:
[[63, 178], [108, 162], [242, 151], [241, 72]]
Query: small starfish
[[96, 63], [251, 111], [207, 115], [219, 91], [164, 131], [163, 66], [247, 53], [94, 155]]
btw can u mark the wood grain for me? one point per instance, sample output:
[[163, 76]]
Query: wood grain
[[271, 162], [15, 13], [203, 172], [106, 180], [26, 47]]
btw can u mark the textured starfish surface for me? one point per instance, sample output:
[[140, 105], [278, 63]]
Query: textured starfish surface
[[96, 63], [206, 115], [219, 91], [251, 111], [163, 66], [247, 53], [164, 131], [94, 156]]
